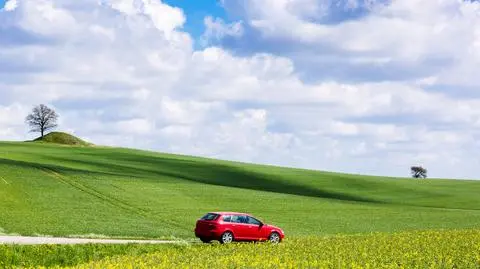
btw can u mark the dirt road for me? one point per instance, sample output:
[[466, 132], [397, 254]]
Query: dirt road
[[25, 240]]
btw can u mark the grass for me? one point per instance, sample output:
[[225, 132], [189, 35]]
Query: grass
[[421, 249], [12, 256], [75, 190], [62, 138]]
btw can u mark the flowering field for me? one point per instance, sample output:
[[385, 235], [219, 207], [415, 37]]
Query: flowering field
[[423, 249]]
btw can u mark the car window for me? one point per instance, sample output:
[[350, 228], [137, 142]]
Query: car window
[[209, 216], [243, 219], [239, 219], [227, 218], [235, 219], [254, 221]]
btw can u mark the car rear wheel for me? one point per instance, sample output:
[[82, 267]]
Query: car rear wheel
[[227, 237], [274, 238]]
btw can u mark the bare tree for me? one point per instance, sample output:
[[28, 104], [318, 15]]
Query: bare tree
[[42, 119], [418, 172]]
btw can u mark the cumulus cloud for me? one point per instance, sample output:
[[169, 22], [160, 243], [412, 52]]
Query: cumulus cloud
[[216, 29], [366, 39], [10, 5], [125, 73], [11, 120]]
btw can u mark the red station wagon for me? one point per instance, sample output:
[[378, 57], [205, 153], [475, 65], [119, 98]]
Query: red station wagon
[[227, 227]]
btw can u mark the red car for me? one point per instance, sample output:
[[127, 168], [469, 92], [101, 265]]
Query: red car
[[227, 227]]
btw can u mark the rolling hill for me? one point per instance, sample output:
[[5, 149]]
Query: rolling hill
[[62, 139], [59, 190]]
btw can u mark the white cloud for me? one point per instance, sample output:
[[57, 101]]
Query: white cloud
[[164, 17], [43, 17], [187, 112], [124, 73], [10, 5], [12, 114], [399, 29], [398, 38], [12, 118], [216, 29], [135, 126]]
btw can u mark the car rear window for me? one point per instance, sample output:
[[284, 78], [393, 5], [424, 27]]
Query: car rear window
[[210, 216]]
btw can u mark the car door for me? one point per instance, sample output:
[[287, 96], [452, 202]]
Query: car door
[[228, 224], [255, 229], [239, 226]]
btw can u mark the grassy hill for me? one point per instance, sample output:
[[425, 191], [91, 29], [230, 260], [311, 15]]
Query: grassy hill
[[61, 138], [62, 191]]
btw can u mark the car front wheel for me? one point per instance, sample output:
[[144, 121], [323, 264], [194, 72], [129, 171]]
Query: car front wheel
[[274, 238], [227, 237]]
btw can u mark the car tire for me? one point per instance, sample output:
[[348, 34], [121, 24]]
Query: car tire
[[226, 238], [205, 240], [274, 238]]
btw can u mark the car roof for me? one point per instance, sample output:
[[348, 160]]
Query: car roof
[[230, 213]]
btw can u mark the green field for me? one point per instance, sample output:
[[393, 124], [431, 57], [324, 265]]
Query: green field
[[430, 249], [59, 190]]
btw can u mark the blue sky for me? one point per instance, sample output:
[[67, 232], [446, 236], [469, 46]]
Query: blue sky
[[355, 86], [196, 11]]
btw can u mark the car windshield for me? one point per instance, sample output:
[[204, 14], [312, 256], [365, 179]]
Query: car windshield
[[209, 216]]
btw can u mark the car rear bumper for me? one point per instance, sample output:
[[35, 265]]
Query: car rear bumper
[[212, 234]]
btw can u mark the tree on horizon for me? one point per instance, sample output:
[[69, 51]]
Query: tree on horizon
[[42, 119], [418, 172]]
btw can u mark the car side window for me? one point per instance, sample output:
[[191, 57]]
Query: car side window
[[210, 216], [239, 219], [253, 221], [234, 219], [243, 219], [227, 218]]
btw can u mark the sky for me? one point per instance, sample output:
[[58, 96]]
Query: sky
[[195, 13], [355, 86]]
